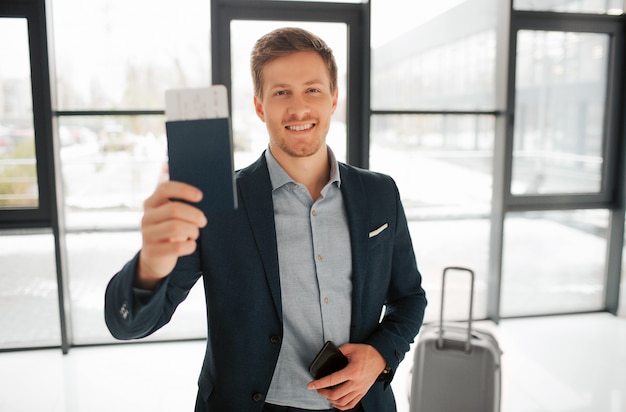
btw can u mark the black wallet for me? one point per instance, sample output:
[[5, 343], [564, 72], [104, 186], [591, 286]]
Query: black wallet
[[328, 360]]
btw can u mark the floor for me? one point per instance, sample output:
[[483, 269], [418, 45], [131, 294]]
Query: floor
[[550, 364]]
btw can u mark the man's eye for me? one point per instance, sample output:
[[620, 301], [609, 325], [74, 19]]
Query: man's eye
[[314, 90], [281, 92]]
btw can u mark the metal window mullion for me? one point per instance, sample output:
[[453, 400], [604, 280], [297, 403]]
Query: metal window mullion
[[503, 142], [359, 63], [616, 135], [54, 179]]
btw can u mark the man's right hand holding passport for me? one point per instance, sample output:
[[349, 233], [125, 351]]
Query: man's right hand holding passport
[[169, 229]]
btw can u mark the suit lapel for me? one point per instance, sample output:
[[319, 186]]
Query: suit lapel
[[256, 194], [356, 204]]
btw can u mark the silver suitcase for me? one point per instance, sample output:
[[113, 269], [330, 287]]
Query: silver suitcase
[[456, 368]]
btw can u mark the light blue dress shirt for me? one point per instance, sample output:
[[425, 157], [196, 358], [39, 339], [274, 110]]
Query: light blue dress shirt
[[315, 264]]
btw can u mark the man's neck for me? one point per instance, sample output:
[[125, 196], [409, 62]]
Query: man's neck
[[312, 171]]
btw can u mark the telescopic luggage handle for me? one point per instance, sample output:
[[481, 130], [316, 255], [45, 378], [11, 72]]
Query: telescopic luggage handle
[[468, 344]]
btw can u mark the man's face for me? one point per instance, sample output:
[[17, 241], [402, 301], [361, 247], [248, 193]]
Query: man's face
[[297, 103]]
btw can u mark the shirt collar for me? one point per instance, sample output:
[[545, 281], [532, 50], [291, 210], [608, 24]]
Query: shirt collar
[[279, 177]]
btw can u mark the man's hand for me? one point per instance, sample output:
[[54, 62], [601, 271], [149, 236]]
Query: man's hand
[[344, 389], [169, 229]]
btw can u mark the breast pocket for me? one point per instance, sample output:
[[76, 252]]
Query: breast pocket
[[379, 235]]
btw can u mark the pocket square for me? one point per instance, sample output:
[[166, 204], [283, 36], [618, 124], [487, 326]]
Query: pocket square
[[379, 230]]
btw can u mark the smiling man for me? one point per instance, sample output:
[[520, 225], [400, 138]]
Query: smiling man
[[315, 252]]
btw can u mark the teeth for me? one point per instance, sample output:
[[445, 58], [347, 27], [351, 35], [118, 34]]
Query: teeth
[[300, 128]]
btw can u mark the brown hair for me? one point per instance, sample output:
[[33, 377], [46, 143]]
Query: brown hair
[[285, 41]]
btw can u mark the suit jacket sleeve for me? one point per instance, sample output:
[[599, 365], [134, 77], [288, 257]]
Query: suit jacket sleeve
[[132, 313]]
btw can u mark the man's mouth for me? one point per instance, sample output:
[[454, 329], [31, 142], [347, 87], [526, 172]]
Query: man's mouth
[[300, 128]]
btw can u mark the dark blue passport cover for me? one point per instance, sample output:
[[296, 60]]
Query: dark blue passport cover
[[200, 153]]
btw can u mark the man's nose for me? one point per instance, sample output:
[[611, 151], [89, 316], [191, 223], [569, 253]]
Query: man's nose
[[298, 107]]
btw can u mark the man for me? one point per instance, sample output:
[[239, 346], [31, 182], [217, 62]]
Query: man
[[314, 253]]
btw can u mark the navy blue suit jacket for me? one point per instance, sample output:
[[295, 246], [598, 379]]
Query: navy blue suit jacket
[[238, 261]]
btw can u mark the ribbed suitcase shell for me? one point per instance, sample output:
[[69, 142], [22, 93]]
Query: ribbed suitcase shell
[[451, 376]]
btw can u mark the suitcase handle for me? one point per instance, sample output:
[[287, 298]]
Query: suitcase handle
[[468, 344]]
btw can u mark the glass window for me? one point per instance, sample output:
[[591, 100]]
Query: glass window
[[554, 262], [93, 259], [442, 164], [452, 242], [110, 165], [561, 82], [572, 6], [117, 54], [29, 306], [18, 167], [439, 56], [443, 168], [250, 135]]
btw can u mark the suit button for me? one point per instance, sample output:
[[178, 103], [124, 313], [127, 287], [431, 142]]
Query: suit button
[[124, 310], [257, 397], [275, 339]]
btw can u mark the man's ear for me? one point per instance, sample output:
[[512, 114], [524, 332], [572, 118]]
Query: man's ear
[[258, 107], [335, 98]]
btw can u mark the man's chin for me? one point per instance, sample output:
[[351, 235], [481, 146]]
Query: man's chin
[[300, 151]]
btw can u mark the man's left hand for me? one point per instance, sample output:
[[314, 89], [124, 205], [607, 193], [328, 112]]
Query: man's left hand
[[344, 389]]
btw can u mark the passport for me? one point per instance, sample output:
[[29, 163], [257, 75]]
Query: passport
[[199, 144]]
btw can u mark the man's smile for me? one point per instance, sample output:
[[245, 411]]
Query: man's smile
[[300, 127]]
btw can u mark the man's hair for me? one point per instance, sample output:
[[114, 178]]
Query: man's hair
[[283, 42]]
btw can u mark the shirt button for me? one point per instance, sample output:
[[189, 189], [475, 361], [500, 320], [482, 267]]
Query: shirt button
[[319, 257], [257, 397], [325, 300], [314, 213], [275, 339], [296, 186]]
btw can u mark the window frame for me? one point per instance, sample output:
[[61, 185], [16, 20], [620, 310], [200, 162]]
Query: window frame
[[612, 197], [354, 15], [44, 215], [575, 23], [612, 193]]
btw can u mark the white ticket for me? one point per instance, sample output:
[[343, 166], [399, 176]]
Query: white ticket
[[197, 103]]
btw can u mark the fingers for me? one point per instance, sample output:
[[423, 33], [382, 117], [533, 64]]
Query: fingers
[[336, 388], [344, 396], [173, 190], [171, 229], [179, 248], [172, 232], [161, 219], [160, 208], [344, 389], [347, 403], [329, 381]]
